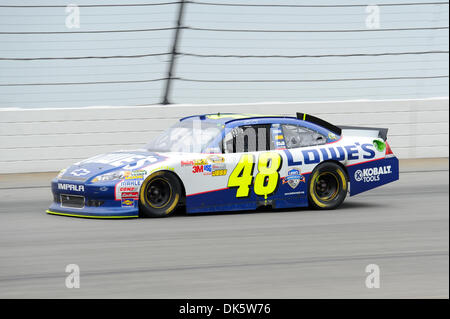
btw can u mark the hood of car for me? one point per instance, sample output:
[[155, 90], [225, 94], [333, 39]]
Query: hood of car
[[105, 163]]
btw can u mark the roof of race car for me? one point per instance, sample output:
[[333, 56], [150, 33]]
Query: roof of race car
[[223, 118], [308, 121]]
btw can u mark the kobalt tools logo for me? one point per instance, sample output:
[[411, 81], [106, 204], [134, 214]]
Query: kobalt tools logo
[[372, 174], [71, 187]]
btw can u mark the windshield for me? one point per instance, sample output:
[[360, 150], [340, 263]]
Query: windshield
[[191, 136]]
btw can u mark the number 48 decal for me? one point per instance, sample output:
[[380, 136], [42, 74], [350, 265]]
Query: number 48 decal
[[266, 180]]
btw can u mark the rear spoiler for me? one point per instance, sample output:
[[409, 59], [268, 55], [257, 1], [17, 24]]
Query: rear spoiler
[[365, 131], [312, 119]]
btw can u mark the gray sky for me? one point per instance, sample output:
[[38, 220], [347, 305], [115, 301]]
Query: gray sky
[[222, 43]]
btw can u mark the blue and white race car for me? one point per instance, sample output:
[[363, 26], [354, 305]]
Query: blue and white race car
[[229, 162]]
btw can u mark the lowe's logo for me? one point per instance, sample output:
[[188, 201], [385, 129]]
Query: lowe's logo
[[372, 174], [71, 187]]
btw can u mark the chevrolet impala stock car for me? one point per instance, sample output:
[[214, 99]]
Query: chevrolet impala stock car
[[229, 162]]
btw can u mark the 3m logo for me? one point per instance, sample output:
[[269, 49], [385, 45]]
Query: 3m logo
[[372, 174], [197, 169]]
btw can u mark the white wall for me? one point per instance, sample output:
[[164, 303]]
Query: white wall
[[39, 140]]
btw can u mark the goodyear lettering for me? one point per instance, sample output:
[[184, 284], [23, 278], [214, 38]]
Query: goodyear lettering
[[71, 187]]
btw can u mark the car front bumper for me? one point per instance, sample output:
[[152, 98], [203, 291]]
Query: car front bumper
[[78, 199]]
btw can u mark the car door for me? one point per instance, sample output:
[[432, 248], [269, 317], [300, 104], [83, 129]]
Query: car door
[[298, 139], [255, 159]]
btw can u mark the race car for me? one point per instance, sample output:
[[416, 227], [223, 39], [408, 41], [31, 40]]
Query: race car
[[229, 162]]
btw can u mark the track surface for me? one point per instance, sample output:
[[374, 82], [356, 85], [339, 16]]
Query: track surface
[[402, 227]]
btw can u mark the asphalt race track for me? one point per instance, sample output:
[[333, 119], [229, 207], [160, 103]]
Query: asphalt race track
[[403, 228]]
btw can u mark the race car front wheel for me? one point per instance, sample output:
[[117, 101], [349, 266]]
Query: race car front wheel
[[327, 186], [160, 195]]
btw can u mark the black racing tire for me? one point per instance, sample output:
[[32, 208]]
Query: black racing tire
[[160, 194], [328, 186]]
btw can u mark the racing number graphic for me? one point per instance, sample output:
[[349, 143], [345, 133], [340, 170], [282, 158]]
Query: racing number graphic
[[266, 180], [242, 175]]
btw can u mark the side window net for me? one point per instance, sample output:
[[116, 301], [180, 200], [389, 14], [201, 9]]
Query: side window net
[[297, 136]]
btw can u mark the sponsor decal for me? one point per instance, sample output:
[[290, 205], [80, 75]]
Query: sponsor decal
[[332, 136], [127, 189], [134, 175], [205, 169], [130, 183], [126, 186], [130, 195], [219, 172], [216, 159], [197, 169], [126, 202], [338, 153], [372, 174], [80, 172], [200, 162], [71, 187], [293, 178], [294, 193]]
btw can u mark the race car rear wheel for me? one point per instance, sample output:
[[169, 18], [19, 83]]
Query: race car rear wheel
[[327, 186], [160, 195]]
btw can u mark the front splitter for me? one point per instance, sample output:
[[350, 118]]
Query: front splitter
[[89, 216]]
